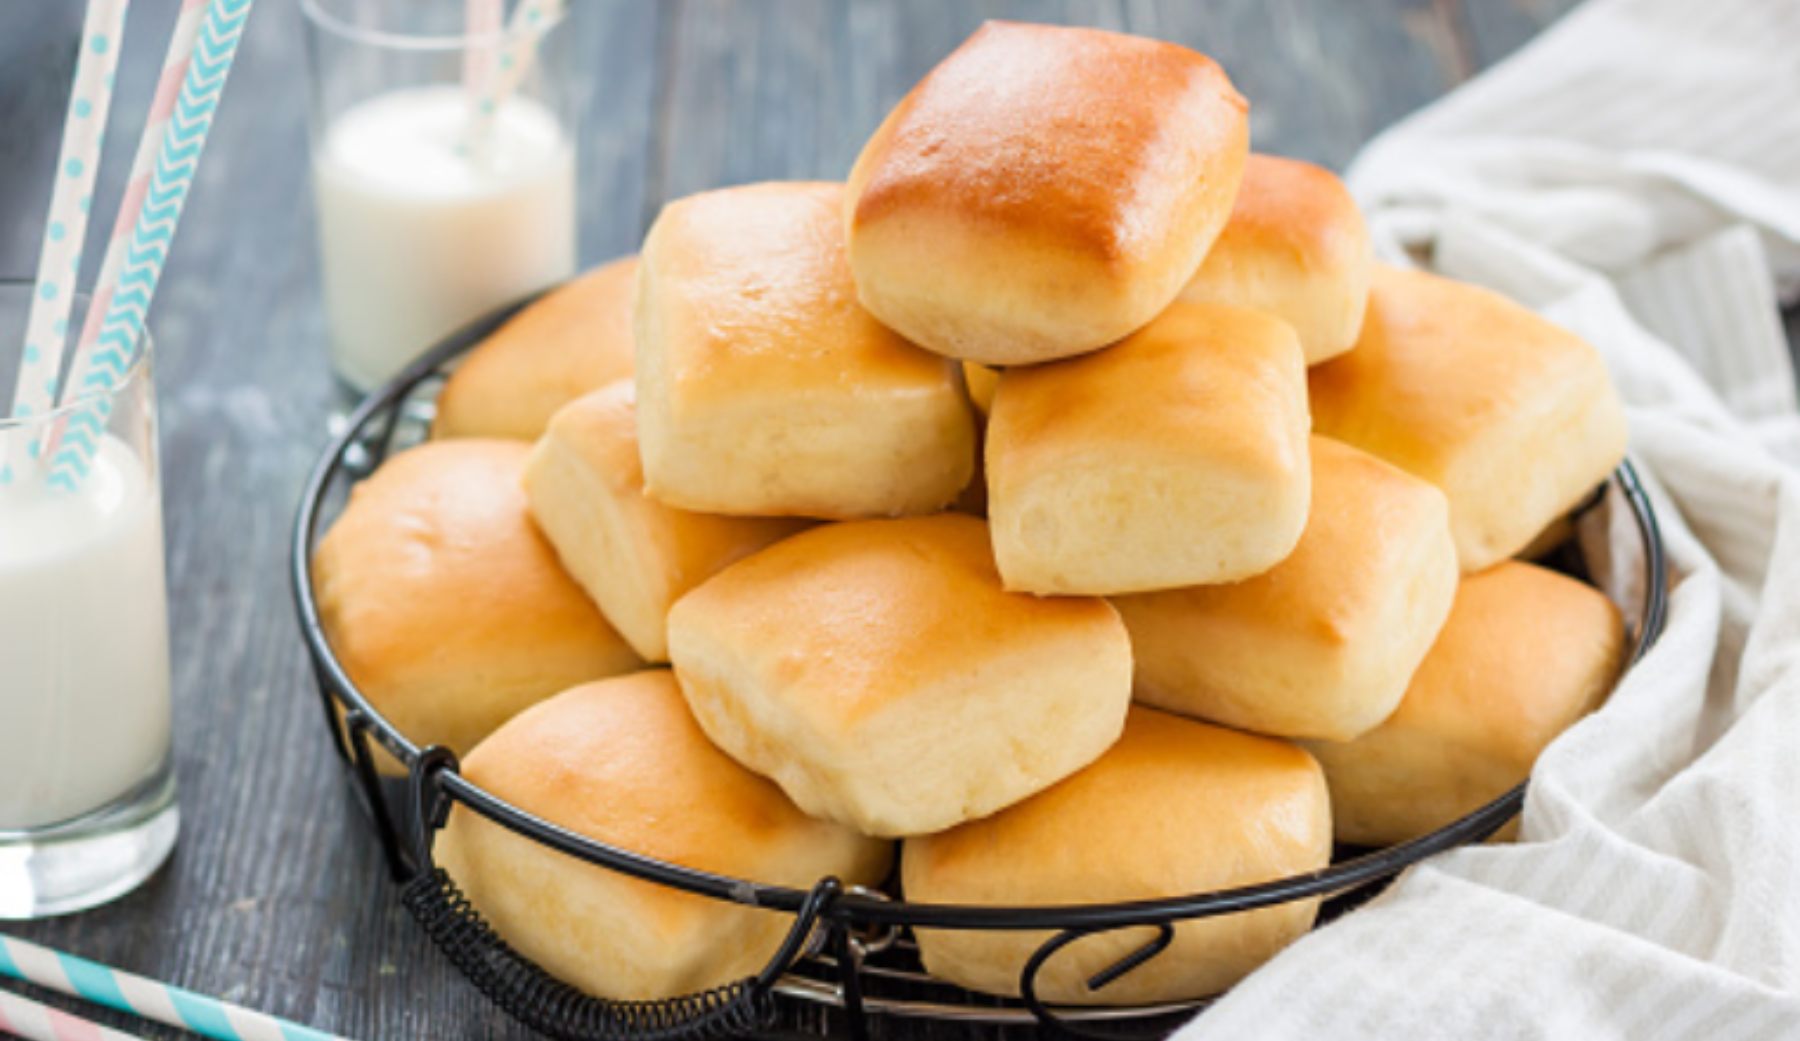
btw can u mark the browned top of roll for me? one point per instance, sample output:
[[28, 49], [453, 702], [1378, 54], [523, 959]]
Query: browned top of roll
[[622, 761], [1056, 131], [1124, 827], [1438, 364], [1293, 205], [1525, 653], [889, 604], [577, 338], [435, 578], [751, 290]]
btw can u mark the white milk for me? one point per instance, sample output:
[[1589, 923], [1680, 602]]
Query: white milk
[[84, 651], [417, 237]]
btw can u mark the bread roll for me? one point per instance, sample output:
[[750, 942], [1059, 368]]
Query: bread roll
[[621, 762], [575, 339], [1323, 644], [1296, 247], [763, 388], [633, 555], [1176, 457], [879, 673], [443, 602], [1525, 654], [1176, 807], [1514, 418], [1044, 191]]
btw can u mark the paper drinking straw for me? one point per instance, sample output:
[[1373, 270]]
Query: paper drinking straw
[[65, 229], [59, 258], [172, 176], [482, 19], [137, 184], [147, 999], [518, 52], [33, 1021]]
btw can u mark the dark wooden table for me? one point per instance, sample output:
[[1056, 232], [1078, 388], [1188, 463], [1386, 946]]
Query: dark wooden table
[[276, 897]]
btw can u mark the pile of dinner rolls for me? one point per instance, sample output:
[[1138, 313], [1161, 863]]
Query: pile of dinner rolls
[[1067, 495]]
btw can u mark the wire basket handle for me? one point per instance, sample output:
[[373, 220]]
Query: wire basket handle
[[550, 1006]]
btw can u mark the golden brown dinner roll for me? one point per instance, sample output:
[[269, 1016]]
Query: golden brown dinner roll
[[763, 388], [634, 555], [1175, 457], [1176, 807], [1044, 191], [577, 338], [1296, 247], [1526, 653], [1323, 644], [1514, 418], [622, 762], [878, 672], [444, 603]]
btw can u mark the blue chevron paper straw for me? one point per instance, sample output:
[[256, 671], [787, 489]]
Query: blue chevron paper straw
[[137, 183], [170, 180], [145, 998]]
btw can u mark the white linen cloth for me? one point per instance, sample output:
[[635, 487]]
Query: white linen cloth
[[1633, 174]]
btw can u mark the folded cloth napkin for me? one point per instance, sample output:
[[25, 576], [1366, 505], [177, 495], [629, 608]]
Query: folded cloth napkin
[[1634, 174]]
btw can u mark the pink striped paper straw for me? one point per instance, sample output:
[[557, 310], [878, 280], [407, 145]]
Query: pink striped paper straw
[[482, 20], [59, 259], [34, 1021], [518, 52], [162, 106]]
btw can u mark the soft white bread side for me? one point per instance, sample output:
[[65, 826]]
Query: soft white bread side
[[764, 388], [621, 761], [1525, 654], [1044, 191], [633, 555], [1176, 807], [444, 603], [1177, 456], [575, 339], [1296, 247], [879, 673], [1323, 644], [1514, 418]]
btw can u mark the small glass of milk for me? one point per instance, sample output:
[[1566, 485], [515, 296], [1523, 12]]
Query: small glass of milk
[[443, 167], [87, 796]]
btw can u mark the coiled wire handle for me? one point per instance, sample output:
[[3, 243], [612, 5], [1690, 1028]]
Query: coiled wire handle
[[548, 1005]]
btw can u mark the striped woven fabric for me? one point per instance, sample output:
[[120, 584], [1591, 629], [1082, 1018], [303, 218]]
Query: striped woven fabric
[[1635, 175]]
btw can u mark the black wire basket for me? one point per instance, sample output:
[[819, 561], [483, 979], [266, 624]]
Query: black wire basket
[[848, 949]]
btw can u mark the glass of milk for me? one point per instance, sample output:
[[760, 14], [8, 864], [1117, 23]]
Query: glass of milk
[[87, 797], [443, 167]]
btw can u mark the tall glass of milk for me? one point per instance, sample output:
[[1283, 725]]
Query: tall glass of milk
[[443, 167], [87, 797]]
